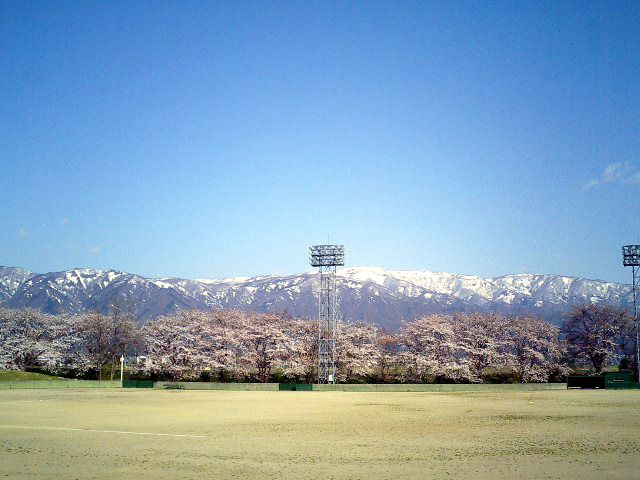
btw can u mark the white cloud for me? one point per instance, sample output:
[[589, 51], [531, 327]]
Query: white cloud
[[591, 184], [617, 172], [23, 232], [94, 250]]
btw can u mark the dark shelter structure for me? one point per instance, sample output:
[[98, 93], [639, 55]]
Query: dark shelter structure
[[608, 380]]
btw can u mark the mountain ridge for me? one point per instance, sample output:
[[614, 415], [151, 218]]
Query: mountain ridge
[[383, 297]]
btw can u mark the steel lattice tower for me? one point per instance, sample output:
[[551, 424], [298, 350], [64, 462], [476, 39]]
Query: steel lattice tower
[[631, 258], [327, 258]]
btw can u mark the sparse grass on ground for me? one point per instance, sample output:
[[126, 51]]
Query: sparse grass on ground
[[14, 376], [133, 434]]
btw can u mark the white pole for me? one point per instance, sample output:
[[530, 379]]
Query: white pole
[[121, 368]]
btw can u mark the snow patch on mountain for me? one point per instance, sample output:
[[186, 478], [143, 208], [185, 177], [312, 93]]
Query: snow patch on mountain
[[10, 279]]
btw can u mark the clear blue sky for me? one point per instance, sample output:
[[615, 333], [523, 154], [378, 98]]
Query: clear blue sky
[[213, 139]]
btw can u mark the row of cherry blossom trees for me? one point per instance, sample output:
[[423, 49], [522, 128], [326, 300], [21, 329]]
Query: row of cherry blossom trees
[[228, 345], [79, 345], [244, 346], [465, 347]]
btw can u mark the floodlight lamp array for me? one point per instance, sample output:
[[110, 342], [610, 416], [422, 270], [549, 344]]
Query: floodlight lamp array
[[631, 255], [326, 255]]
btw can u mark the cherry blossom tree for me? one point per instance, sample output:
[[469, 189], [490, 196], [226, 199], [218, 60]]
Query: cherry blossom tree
[[627, 345], [102, 339], [234, 344], [432, 351], [483, 341], [175, 346], [535, 349], [388, 360], [30, 339], [300, 350], [124, 335], [458, 348], [597, 333], [264, 336], [358, 351], [24, 338], [225, 344]]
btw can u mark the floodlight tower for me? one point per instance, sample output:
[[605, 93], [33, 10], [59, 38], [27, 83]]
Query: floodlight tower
[[631, 258], [327, 258]]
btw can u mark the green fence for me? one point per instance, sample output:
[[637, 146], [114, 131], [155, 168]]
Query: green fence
[[216, 386], [59, 384], [358, 387], [438, 387], [585, 381], [619, 380], [137, 384], [295, 387]]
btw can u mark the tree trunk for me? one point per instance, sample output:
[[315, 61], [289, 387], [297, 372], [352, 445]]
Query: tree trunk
[[597, 363]]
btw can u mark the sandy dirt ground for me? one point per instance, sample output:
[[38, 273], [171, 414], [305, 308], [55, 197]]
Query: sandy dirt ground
[[138, 434]]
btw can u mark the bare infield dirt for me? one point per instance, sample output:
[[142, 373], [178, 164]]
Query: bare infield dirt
[[139, 434]]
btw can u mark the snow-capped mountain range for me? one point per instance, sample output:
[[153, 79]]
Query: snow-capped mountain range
[[367, 293]]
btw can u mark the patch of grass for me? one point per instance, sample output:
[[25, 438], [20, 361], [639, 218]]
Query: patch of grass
[[16, 376]]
